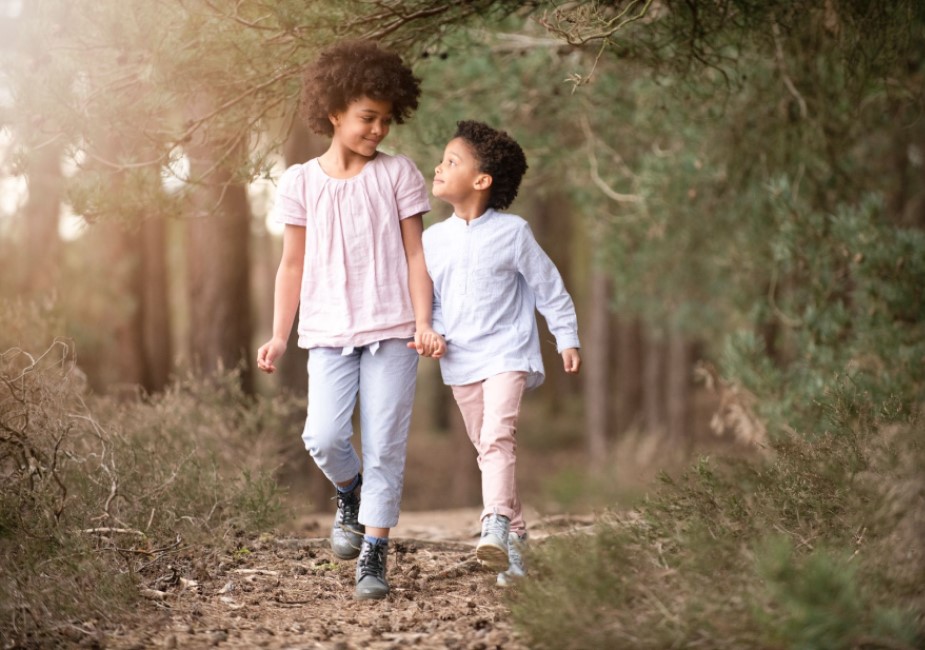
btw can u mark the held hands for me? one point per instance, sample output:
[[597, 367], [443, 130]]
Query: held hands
[[428, 343], [268, 353], [571, 360]]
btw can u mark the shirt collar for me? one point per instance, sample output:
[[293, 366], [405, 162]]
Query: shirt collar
[[485, 216]]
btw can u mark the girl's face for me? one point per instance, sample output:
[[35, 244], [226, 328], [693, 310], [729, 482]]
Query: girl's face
[[458, 176], [362, 125]]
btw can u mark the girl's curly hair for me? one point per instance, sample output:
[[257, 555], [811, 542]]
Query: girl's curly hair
[[499, 156], [350, 70]]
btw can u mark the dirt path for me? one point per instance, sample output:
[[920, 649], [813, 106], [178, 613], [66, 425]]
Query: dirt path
[[291, 592]]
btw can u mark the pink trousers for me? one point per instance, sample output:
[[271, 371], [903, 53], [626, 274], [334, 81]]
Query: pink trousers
[[490, 409]]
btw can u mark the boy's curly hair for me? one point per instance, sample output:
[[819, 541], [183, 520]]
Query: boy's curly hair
[[499, 156], [350, 70]]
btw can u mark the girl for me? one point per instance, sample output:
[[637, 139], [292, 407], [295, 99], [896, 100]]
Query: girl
[[490, 276], [353, 264]]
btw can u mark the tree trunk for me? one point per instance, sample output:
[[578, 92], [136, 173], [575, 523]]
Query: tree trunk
[[42, 213], [218, 265], [652, 374], [597, 387], [122, 359], [628, 374], [45, 181], [117, 365], [155, 305], [678, 394]]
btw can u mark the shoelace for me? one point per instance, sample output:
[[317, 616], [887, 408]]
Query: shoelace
[[349, 507], [372, 560]]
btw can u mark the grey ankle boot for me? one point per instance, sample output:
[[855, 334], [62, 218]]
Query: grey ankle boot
[[347, 532], [515, 570], [371, 570], [492, 547]]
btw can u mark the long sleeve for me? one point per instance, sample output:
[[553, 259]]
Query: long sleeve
[[437, 317], [552, 299], [490, 277]]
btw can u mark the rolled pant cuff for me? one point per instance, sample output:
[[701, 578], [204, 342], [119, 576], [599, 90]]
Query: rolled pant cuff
[[500, 510]]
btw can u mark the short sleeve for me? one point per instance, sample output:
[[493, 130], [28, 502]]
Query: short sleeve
[[410, 189], [290, 197]]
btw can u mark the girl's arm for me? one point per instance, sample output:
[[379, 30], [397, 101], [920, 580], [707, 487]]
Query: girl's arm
[[426, 340], [285, 297]]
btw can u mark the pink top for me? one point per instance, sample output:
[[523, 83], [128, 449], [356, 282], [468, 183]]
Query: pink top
[[355, 281]]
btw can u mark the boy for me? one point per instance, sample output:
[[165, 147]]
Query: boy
[[489, 276]]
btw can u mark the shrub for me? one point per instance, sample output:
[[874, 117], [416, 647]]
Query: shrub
[[801, 550], [95, 493]]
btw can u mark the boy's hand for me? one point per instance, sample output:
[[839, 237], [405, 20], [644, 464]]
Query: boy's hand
[[428, 343], [268, 353], [571, 360]]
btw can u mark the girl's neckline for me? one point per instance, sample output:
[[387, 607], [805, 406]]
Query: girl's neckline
[[362, 170]]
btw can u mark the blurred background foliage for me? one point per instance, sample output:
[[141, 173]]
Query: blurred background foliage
[[734, 191]]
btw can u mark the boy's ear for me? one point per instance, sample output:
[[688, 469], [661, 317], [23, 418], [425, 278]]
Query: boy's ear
[[482, 182]]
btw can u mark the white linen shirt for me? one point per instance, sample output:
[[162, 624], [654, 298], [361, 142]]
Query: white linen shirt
[[355, 278], [490, 276]]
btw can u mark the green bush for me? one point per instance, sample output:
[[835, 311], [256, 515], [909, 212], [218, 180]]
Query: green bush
[[815, 602], [739, 555]]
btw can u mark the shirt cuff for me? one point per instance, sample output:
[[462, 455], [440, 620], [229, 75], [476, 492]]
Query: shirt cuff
[[565, 342]]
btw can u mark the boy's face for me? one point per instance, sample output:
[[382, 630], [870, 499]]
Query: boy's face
[[363, 125], [457, 177]]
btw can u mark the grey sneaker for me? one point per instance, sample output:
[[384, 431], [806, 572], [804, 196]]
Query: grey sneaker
[[515, 570], [491, 550], [371, 567], [347, 532]]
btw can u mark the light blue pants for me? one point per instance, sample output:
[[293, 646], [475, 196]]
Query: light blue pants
[[384, 378]]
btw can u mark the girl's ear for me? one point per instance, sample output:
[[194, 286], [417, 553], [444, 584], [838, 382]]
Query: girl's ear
[[335, 119], [482, 181]]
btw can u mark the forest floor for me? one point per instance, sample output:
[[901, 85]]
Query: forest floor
[[289, 591]]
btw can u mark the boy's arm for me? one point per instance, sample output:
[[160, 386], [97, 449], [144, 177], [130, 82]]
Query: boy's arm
[[552, 299], [285, 297], [426, 341]]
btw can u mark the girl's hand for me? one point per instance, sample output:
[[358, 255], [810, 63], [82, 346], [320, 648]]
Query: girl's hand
[[571, 360], [268, 353], [428, 343]]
